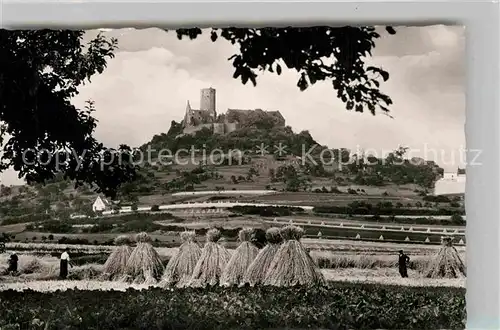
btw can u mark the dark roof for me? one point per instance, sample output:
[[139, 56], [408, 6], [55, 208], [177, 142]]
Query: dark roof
[[240, 110]]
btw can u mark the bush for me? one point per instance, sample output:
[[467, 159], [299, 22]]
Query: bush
[[100, 227], [5, 237], [336, 190], [55, 226], [25, 218], [384, 208], [457, 219], [155, 208], [436, 199], [66, 240], [266, 211]]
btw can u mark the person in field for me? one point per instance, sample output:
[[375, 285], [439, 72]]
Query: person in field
[[13, 263], [65, 262], [403, 263]]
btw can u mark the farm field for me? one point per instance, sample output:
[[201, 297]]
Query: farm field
[[338, 306], [340, 260], [202, 205], [381, 276], [357, 220], [312, 243], [313, 199], [42, 264], [357, 256], [373, 232], [362, 220], [327, 227]]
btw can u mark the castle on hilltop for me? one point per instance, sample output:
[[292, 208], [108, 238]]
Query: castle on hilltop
[[206, 117]]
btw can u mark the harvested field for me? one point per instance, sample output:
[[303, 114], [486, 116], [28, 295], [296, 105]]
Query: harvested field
[[378, 246], [374, 276], [74, 248], [388, 276], [329, 254], [226, 223]]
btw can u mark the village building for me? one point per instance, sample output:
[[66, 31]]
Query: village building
[[101, 204], [452, 183]]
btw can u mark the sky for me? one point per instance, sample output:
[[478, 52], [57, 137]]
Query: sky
[[153, 75]]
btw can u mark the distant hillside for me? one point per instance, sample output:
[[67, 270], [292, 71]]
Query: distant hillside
[[289, 172], [247, 138]]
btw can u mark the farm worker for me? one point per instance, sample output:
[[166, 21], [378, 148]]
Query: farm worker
[[403, 260], [13, 262], [65, 260]]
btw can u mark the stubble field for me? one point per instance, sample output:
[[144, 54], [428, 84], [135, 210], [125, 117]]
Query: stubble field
[[339, 260], [364, 291]]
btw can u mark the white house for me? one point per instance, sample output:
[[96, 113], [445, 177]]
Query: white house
[[100, 204], [450, 184]]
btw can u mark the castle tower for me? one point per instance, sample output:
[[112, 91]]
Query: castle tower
[[207, 100], [187, 116]]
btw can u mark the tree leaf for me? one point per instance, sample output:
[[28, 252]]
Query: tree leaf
[[213, 36], [302, 83], [390, 30], [253, 80], [384, 74]]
